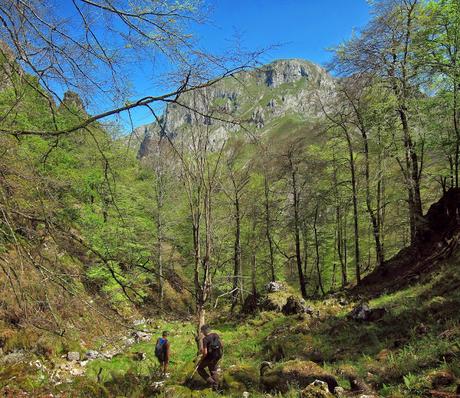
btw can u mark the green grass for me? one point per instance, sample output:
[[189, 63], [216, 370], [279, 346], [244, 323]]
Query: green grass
[[397, 355]]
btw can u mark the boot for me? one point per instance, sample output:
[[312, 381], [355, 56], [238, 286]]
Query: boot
[[212, 383]]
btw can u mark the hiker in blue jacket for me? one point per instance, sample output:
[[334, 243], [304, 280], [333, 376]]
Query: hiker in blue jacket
[[162, 353]]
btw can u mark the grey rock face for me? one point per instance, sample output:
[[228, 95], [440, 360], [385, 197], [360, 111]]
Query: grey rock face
[[258, 118], [285, 71], [253, 99]]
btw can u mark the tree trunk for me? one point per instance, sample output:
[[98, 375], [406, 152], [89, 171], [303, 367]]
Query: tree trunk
[[370, 210], [318, 270], [296, 204], [268, 232], [412, 177], [237, 271], [160, 248], [355, 205]]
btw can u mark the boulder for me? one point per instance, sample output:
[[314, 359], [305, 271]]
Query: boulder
[[139, 356], [295, 305], [272, 287], [13, 358], [176, 391], [73, 356], [286, 346], [251, 304], [317, 389], [141, 336], [441, 379], [240, 378], [299, 373], [363, 313], [269, 304]]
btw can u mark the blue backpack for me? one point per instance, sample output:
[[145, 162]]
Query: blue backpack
[[160, 348]]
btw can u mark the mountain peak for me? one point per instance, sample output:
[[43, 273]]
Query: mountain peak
[[288, 71]]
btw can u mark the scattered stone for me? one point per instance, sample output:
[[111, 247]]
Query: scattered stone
[[73, 356], [141, 336], [273, 287], [139, 356], [317, 389], [77, 372], [441, 379], [343, 302], [339, 392], [245, 394], [129, 341], [362, 312], [138, 322], [91, 355], [421, 329], [158, 385], [301, 373], [12, 358], [109, 354]]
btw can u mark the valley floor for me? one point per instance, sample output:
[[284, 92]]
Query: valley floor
[[412, 351]]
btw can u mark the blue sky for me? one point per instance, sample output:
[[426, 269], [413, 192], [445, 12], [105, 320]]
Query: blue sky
[[302, 29], [298, 28], [306, 27]]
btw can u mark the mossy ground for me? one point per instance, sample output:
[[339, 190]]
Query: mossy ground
[[397, 356]]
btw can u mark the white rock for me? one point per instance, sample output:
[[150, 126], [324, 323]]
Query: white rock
[[141, 336], [91, 355], [77, 371], [73, 356]]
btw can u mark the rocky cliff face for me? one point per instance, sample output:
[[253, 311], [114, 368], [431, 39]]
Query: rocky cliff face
[[257, 99]]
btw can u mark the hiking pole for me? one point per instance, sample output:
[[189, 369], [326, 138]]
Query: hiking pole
[[194, 370]]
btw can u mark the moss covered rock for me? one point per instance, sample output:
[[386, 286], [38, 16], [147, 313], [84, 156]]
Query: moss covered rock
[[295, 373], [240, 378], [317, 389], [289, 346], [178, 391]]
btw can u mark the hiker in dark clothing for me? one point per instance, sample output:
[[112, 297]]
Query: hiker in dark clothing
[[211, 354], [162, 353]]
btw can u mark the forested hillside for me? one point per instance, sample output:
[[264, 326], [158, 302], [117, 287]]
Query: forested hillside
[[308, 213]]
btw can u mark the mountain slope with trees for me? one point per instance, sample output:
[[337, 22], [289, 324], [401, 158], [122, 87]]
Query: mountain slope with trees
[[339, 188]]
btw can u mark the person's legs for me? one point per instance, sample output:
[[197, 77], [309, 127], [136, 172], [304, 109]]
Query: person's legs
[[213, 370], [213, 380], [202, 370], [165, 368]]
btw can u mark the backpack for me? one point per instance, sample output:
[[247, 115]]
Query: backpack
[[160, 348], [215, 346]]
